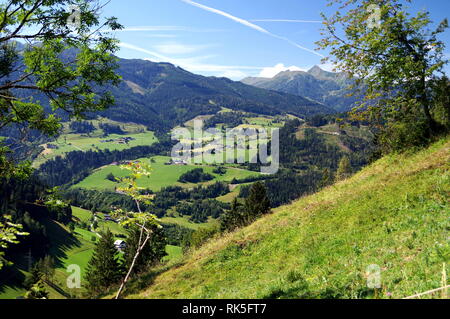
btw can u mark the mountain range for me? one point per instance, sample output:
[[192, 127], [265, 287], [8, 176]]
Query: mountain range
[[161, 95], [328, 88]]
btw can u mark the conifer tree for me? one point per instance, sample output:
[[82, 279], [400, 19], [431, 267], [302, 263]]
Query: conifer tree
[[344, 169], [232, 218], [104, 268], [34, 277], [257, 203]]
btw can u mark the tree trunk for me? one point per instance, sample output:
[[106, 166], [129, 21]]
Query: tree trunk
[[138, 252]]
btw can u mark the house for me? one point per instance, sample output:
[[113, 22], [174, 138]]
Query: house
[[108, 218], [120, 244]]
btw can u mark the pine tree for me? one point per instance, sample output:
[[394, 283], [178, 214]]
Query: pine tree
[[46, 267], [326, 178], [233, 218], [344, 169], [104, 268], [257, 203], [34, 277]]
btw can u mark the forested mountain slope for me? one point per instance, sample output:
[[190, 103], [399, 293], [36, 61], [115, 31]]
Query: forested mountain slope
[[325, 87], [393, 214], [161, 96]]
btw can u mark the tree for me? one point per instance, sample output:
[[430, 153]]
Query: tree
[[344, 169], [46, 267], [397, 61], [34, 277], [103, 268], [64, 65], [257, 203], [8, 235], [150, 254], [111, 177], [233, 218], [144, 220], [37, 291], [326, 178]]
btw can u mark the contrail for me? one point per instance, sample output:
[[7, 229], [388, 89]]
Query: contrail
[[249, 24], [285, 20]]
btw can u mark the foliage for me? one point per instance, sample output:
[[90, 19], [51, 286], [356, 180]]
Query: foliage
[[60, 65], [111, 129], [344, 169], [196, 175], [103, 269], [9, 233], [146, 222], [200, 210], [399, 61], [200, 236], [230, 119], [256, 205], [82, 127], [151, 254], [37, 291]]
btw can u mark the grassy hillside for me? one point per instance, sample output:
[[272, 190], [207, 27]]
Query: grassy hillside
[[395, 213]]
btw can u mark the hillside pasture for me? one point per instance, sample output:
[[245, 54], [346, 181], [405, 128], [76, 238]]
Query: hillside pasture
[[162, 175]]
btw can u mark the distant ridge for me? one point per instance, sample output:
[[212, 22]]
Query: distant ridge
[[325, 87], [161, 95]]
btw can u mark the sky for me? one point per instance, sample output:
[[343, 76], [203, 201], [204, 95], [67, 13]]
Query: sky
[[232, 38]]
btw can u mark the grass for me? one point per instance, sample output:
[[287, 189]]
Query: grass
[[394, 213], [77, 142], [82, 214], [185, 222], [162, 175], [173, 253], [69, 141], [228, 198]]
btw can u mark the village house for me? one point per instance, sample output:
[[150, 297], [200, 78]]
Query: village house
[[120, 244]]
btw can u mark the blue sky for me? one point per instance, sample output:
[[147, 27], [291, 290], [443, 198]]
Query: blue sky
[[231, 38]]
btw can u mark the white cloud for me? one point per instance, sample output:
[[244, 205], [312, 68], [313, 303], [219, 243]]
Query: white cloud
[[178, 48], [159, 35], [250, 25], [234, 74], [271, 71]]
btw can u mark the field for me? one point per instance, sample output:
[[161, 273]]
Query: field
[[161, 176], [393, 214], [68, 141], [185, 222]]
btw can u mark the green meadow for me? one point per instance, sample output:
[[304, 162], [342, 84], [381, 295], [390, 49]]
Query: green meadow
[[161, 175], [69, 141]]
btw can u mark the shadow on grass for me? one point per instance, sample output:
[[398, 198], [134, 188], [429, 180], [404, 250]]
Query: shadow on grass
[[13, 277]]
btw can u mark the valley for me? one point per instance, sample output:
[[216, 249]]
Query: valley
[[184, 152]]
